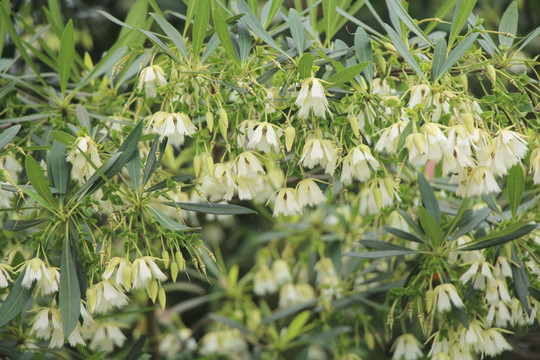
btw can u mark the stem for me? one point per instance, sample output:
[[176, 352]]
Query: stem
[[152, 330]]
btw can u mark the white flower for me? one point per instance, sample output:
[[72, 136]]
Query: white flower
[[309, 193], [46, 278], [247, 164], [500, 313], [390, 137], [479, 271], [445, 293], [535, 165], [105, 296], [174, 126], [120, 267], [458, 153], [435, 141], [325, 268], [510, 148], [312, 96], [291, 294], [355, 165], [286, 202], [229, 342], [472, 336], [320, 152], [281, 272], [494, 342], [224, 177], [264, 282], [415, 144], [383, 192], [407, 347], [497, 290], [4, 275], [177, 342], [263, 136], [473, 181], [502, 267], [150, 78], [420, 94], [106, 335], [82, 169], [144, 270]]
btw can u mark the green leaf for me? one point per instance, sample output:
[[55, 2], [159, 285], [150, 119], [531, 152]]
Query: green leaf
[[16, 225], [514, 186], [173, 34], [59, 166], [472, 222], [181, 178], [244, 41], [364, 52], [304, 65], [520, 280], [3, 26], [137, 349], [297, 30], [527, 39], [413, 225], [439, 56], [55, 17], [212, 45], [232, 324], [63, 137], [82, 116], [404, 235], [407, 19], [15, 301], [274, 6], [444, 9], [151, 160], [66, 55], [9, 351], [134, 169], [222, 32], [295, 328], [457, 53], [77, 259], [253, 23], [216, 209], [461, 314], [38, 180], [202, 19], [463, 9], [380, 254], [430, 226], [428, 198], [346, 74], [37, 198], [280, 314], [508, 25], [8, 134], [382, 245], [166, 221], [69, 296], [404, 51], [407, 130], [534, 292], [329, 16], [499, 237]]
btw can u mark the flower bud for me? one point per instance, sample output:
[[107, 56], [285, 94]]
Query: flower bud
[[378, 197], [180, 260], [91, 297], [126, 277], [223, 122], [174, 271], [381, 64], [153, 290], [353, 121], [429, 300], [290, 133], [197, 162], [464, 81], [469, 122], [162, 298], [165, 257], [209, 163], [491, 73], [390, 47], [210, 121]]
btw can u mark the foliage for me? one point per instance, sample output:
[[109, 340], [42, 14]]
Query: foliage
[[277, 191]]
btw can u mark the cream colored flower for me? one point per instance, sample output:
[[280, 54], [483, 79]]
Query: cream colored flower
[[407, 347], [264, 282], [174, 126], [355, 165], [145, 270], [312, 97], [308, 193], [286, 202], [82, 169], [150, 78]]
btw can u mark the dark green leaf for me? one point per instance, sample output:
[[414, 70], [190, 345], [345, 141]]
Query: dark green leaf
[[8, 349], [16, 300], [66, 55], [461, 314], [380, 254], [82, 116], [499, 237], [200, 23], [443, 9], [59, 167], [69, 296], [297, 30], [152, 161], [346, 74], [166, 221], [173, 34], [223, 33], [430, 226], [520, 280], [329, 16], [508, 25], [216, 209], [274, 6], [280, 314], [407, 19], [16, 225], [362, 46], [244, 41], [182, 178], [63, 137], [137, 349], [134, 169], [304, 65], [527, 39], [382, 245], [404, 235], [403, 137], [472, 222], [458, 52], [404, 51], [515, 186], [78, 262], [412, 224], [534, 292], [463, 9], [428, 198], [38, 180], [8, 134], [439, 56], [232, 324]]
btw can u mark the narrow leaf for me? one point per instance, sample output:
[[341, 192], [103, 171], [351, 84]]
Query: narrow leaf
[[8, 134], [232, 324], [297, 30], [461, 314], [66, 55], [15, 301], [380, 254], [534, 292], [520, 280], [63, 137], [506, 236], [216, 209], [69, 296], [329, 16], [382, 245], [244, 41], [16, 225], [346, 74], [458, 52], [136, 350], [430, 226], [515, 186], [212, 45], [508, 25], [134, 169], [443, 9], [472, 222], [428, 198], [38, 180], [296, 325], [181, 178], [403, 137], [166, 221], [152, 161], [173, 34], [404, 51], [462, 12], [527, 39], [83, 117], [274, 6], [304, 65], [364, 52], [202, 19], [59, 166], [407, 19], [404, 235], [222, 32], [439, 57]]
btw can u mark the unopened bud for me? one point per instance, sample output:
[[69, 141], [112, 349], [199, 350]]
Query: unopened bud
[[464, 81], [209, 163], [126, 277], [223, 122], [491, 73], [180, 260], [91, 298], [429, 300], [353, 121], [162, 298], [390, 47], [197, 165], [370, 340], [165, 257], [469, 122], [174, 271], [210, 121], [290, 134], [390, 185], [153, 290], [381, 64], [378, 197]]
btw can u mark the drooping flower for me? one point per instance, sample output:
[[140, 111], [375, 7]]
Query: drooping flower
[[291, 294], [174, 126], [355, 165], [286, 202], [4, 275], [535, 165], [106, 335], [312, 97], [46, 278], [120, 268], [281, 271], [499, 314], [474, 181], [390, 137], [150, 78], [248, 165], [82, 169], [407, 347], [320, 152], [263, 136], [144, 270], [308, 193], [435, 141], [104, 296], [177, 342], [478, 273], [264, 282], [494, 342], [420, 94], [445, 293]]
